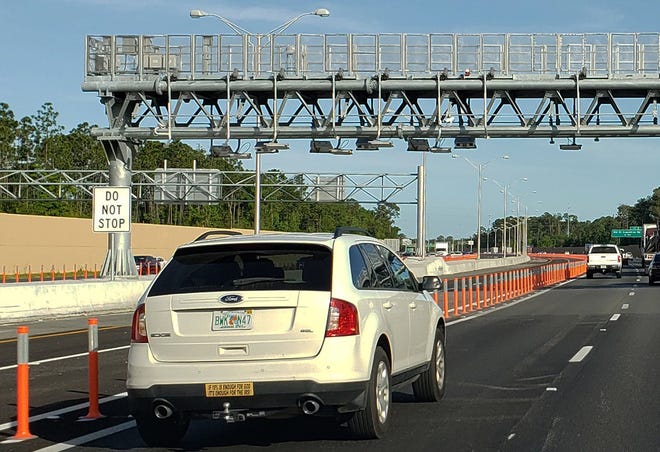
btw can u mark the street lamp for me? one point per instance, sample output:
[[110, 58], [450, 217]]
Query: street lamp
[[479, 167], [266, 147], [505, 189]]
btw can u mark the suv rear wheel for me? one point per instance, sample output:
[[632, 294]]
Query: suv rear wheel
[[372, 422], [430, 386], [162, 432]]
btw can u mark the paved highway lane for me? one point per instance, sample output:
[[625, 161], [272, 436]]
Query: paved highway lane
[[520, 377]]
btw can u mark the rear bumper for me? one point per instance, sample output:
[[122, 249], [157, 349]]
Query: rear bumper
[[191, 398], [603, 268]]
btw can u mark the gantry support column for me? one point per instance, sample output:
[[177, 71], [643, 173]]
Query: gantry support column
[[119, 259]]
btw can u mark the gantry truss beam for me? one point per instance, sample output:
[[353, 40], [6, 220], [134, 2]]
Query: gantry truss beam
[[393, 86], [203, 186]]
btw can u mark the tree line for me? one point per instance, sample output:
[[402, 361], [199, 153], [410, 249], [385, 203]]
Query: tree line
[[40, 142]]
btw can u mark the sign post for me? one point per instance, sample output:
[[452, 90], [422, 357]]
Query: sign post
[[112, 213]]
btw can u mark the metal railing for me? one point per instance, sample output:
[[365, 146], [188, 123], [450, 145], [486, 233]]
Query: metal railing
[[200, 57]]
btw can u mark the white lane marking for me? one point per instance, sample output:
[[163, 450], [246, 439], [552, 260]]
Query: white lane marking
[[602, 330], [551, 389], [489, 309], [73, 442], [61, 358], [615, 317], [511, 436], [581, 354], [625, 306], [69, 409], [630, 294]]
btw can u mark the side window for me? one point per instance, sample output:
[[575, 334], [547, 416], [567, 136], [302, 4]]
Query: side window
[[402, 277], [382, 275], [360, 271]]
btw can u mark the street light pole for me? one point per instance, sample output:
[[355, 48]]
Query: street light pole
[[480, 168], [196, 14]]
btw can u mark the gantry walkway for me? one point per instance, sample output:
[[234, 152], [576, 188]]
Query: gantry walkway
[[390, 86]]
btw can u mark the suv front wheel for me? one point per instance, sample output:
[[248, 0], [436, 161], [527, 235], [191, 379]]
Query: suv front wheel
[[372, 422]]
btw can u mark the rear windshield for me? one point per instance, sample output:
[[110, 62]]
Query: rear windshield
[[245, 267], [603, 249]]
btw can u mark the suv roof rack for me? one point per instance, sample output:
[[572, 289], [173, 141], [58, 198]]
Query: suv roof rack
[[208, 234], [341, 230]]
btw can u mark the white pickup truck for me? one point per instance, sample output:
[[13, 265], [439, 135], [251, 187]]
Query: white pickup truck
[[604, 259]]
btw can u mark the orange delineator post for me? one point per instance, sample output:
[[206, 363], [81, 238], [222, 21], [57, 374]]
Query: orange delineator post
[[463, 295], [93, 361], [470, 296], [445, 297], [22, 385], [455, 296], [477, 291], [485, 292]]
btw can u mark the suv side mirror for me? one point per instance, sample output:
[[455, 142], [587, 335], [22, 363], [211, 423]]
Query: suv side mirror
[[431, 283]]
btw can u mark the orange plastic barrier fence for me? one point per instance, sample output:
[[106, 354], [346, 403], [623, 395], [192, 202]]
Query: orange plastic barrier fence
[[473, 293]]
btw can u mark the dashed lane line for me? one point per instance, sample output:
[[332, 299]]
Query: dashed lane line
[[581, 354]]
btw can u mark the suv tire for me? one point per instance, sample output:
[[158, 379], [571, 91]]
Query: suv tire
[[372, 422], [590, 275], [430, 386], [618, 274], [162, 432]]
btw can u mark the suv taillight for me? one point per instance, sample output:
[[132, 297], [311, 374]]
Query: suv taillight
[[139, 326], [342, 319]]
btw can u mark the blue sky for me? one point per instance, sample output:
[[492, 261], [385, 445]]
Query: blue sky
[[42, 61]]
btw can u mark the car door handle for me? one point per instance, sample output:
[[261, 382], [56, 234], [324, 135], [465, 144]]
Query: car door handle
[[388, 305]]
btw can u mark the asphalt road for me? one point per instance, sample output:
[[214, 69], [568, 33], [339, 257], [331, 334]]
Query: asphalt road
[[574, 368]]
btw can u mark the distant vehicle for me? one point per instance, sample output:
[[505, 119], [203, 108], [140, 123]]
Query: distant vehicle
[[147, 265], [604, 259], [650, 243], [441, 248], [654, 269], [626, 256], [280, 325]]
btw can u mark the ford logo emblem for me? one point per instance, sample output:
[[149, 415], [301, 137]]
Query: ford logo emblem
[[231, 299]]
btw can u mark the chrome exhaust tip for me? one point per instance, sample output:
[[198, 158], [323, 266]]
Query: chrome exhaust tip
[[163, 409], [310, 406]]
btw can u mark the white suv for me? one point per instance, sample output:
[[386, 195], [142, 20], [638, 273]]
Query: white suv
[[253, 326]]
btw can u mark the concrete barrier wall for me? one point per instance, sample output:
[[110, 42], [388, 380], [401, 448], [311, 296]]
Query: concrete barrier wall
[[22, 301], [35, 241], [438, 266]]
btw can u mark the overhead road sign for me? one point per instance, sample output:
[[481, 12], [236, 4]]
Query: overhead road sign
[[626, 233]]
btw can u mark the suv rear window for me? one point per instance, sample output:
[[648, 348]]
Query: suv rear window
[[603, 249], [245, 267]]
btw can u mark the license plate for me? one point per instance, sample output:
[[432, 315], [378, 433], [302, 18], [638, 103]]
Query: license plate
[[603, 266], [241, 389], [232, 320]]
